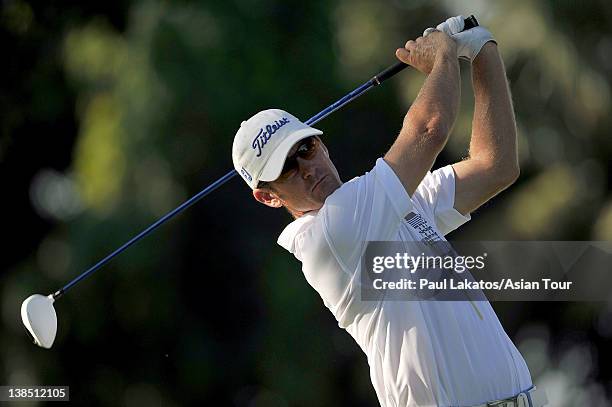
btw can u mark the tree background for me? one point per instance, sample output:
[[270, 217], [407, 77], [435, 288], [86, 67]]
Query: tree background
[[113, 113]]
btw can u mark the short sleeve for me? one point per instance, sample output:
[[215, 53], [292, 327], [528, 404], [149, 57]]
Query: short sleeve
[[367, 208], [436, 197]]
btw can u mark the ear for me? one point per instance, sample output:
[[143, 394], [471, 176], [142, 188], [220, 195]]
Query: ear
[[267, 198]]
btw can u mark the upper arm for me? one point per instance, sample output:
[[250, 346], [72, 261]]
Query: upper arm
[[476, 182], [435, 197]]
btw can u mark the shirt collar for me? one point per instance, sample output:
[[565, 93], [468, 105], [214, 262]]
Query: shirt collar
[[287, 237]]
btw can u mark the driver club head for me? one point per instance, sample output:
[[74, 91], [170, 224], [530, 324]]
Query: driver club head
[[39, 318]]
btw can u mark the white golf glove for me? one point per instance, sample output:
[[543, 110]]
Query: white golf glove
[[470, 42]]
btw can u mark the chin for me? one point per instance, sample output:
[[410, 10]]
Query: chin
[[329, 187]]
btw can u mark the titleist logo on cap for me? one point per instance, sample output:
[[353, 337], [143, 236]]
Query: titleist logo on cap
[[264, 135]]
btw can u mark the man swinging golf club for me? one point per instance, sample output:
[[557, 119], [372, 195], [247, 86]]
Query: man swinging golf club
[[38, 311], [421, 353]]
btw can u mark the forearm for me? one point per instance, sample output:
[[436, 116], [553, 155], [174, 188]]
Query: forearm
[[493, 141], [434, 110], [493, 160], [432, 115], [426, 125]]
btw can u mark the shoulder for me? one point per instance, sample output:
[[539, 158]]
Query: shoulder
[[379, 184], [292, 236], [441, 179], [437, 188]]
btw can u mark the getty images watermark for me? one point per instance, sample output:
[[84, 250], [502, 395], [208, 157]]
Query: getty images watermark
[[494, 271]]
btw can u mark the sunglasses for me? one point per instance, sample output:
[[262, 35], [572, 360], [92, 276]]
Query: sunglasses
[[306, 150]]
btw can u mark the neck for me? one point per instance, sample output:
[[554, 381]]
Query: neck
[[295, 214]]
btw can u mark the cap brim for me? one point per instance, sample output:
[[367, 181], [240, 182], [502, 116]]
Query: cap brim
[[274, 166]]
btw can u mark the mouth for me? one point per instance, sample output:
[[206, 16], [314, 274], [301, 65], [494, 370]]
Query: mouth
[[318, 182]]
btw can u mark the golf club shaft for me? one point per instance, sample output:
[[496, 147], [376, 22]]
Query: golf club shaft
[[376, 80]]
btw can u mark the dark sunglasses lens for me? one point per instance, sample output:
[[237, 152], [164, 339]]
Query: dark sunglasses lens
[[307, 148], [289, 165], [304, 150]]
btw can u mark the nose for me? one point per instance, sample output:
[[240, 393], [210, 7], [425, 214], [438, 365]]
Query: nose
[[306, 168]]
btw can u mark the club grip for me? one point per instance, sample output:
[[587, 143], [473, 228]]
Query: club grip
[[382, 76], [469, 23]]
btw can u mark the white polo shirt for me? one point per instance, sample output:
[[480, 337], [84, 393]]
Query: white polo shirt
[[421, 353]]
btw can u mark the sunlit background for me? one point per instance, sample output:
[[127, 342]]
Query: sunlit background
[[114, 113]]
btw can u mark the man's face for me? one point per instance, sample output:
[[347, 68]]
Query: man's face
[[307, 179]]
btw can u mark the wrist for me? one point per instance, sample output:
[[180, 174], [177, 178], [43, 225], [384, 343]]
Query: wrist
[[488, 51], [489, 47], [445, 58]]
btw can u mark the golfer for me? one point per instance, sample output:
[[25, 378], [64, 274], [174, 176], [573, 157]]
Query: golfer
[[420, 353]]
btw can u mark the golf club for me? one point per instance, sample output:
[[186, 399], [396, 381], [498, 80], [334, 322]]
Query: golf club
[[37, 311]]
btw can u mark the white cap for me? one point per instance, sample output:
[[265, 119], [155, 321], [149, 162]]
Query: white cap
[[262, 143]]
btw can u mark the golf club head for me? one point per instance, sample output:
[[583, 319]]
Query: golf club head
[[39, 318]]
